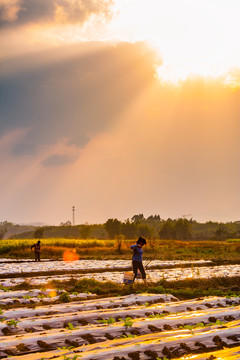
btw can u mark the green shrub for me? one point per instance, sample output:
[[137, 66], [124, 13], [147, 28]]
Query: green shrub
[[64, 297]]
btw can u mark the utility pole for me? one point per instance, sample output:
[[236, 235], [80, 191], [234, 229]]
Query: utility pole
[[73, 215]]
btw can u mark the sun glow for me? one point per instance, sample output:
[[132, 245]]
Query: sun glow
[[70, 255], [193, 38]]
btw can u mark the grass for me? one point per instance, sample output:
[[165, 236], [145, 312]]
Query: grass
[[109, 249], [184, 289]]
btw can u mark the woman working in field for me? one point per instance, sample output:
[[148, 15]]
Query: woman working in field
[[137, 259]]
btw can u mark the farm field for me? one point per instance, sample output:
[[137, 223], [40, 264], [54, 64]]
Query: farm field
[[47, 321], [137, 326], [58, 248], [108, 270]]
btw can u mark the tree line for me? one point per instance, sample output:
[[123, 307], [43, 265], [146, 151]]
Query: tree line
[[177, 229], [152, 227]]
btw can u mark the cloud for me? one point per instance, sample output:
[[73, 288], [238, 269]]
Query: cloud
[[57, 160], [79, 141], [74, 98], [24, 148], [22, 12], [113, 140]]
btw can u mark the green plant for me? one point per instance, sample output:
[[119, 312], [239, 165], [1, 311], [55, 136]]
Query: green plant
[[200, 324], [4, 288], [157, 316], [109, 321], [75, 357], [64, 297], [41, 296], [219, 322], [27, 297], [128, 336], [70, 326], [12, 322], [128, 322]]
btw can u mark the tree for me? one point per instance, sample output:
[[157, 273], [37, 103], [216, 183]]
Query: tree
[[182, 229], [84, 231], [154, 218], [138, 218], [221, 233], [144, 230], [2, 232], [167, 231], [120, 239], [129, 230], [67, 223], [113, 227], [38, 233]]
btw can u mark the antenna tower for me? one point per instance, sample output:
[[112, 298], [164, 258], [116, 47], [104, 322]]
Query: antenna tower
[[73, 215]]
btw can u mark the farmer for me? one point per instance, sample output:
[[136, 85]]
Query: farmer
[[37, 249], [137, 259]]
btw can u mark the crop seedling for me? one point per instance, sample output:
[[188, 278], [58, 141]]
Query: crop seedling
[[128, 322], [219, 322], [5, 289], [157, 316], [70, 326], [27, 297], [200, 324], [64, 297], [41, 296], [2, 320], [12, 322], [129, 336], [109, 321], [75, 357]]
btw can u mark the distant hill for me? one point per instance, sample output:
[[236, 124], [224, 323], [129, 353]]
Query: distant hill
[[13, 231], [7, 231]]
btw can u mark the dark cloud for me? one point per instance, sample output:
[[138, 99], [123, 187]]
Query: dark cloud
[[23, 148], [22, 12], [58, 160], [73, 98], [79, 141]]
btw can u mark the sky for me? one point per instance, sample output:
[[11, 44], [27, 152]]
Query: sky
[[119, 107]]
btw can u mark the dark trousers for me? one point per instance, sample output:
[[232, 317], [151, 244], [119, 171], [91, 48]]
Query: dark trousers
[[37, 256], [137, 265]]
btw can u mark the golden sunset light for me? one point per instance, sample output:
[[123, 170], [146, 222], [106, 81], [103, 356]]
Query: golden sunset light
[[132, 100], [192, 37]]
